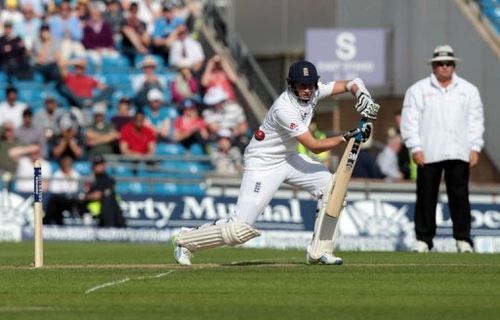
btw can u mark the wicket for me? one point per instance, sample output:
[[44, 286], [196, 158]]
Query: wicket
[[37, 207]]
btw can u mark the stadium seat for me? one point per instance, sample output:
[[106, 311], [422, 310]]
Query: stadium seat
[[165, 189], [196, 149], [169, 149], [191, 189], [83, 167], [121, 170], [131, 187]]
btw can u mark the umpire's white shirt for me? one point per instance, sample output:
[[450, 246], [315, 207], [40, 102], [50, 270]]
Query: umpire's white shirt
[[444, 123], [286, 120]]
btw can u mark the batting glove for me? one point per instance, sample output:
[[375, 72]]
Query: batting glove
[[366, 131], [367, 107]]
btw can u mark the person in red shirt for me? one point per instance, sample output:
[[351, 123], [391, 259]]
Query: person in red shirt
[[219, 74], [136, 138], [189, 127], [78, 87]]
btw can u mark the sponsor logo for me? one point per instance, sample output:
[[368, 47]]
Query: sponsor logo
[[257, 187], [293, 126]]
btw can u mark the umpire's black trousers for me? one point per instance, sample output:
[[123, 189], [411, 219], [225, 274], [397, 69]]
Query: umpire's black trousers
[[456, 177]]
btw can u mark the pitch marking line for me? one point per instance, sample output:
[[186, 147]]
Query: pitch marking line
[[114, 283]]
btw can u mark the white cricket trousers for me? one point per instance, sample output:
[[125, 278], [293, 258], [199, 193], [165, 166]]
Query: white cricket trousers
[[259, 186]]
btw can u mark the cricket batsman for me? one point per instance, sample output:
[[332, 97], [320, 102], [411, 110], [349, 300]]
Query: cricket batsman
[[271, 158]]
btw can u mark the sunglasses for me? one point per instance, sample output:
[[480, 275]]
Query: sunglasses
[[444, 64]]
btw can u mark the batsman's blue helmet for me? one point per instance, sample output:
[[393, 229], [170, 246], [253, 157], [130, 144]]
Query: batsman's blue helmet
[[302, 72]]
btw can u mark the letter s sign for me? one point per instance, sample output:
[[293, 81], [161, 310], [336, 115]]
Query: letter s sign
[[346, 46]]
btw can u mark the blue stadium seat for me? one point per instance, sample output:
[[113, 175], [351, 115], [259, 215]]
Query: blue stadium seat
[[170, 149], [83, 167], [191, 189], [131, 187], [122, 170], [165, 189], [196, 149]]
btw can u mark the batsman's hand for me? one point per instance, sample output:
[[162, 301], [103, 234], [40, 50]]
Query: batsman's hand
[[367, 107], [366, 131]]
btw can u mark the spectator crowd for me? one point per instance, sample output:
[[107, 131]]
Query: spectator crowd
[[81, 79]]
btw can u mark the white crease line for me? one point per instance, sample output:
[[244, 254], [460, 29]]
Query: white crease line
[[113, 283]]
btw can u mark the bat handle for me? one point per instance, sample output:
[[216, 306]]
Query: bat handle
[[361, 123]]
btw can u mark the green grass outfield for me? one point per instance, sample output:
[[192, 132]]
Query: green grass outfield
[[141, 281]]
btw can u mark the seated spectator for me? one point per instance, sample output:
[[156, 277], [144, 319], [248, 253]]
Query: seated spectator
[[148, 80], [157, 117], [102, 195], [78, 87], [149, 10], [82, 10], [11, 109], [67, 30], [101, 136], [189, 127], [405, 162], [387, 160], [27, 28], [324, 157], [185, 49], [46, 55], [10, 12], [115, 17], [165, 31], [366, 164], [226, 158], [225, 114], [14, 59], [98, 36], [65, 24], [24, 171], [185, 85], [123, 115], [135, 38], [28, 133], [219, 74], [136, 138], [68, 143], [63, 188], [11, 149], [46, 119]]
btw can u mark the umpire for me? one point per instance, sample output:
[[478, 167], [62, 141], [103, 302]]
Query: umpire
[[442, 125]]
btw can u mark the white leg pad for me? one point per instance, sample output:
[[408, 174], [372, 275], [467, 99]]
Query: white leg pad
[[325, 228], [216, 235]]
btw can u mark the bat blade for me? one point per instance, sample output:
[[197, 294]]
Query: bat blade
[[342, 178]]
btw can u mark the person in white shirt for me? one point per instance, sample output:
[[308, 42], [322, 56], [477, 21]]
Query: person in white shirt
[[24, 172], [11, 109], [271, 158], [387, 160], [186, 51], [64, 188], [442, 125]]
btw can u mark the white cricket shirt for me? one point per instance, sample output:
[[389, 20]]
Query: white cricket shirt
[[444, 123], [286, 120]]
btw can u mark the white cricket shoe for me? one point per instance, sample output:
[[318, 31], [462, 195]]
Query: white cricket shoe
[[326, 258], [464, 247], [420, 247], [182, 255]]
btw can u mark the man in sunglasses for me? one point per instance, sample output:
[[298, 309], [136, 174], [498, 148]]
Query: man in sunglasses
[[442, 125]]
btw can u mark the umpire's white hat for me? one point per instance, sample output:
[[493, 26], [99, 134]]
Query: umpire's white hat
[[443, 53]]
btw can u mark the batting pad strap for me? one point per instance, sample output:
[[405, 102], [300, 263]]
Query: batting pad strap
[[230, 234]]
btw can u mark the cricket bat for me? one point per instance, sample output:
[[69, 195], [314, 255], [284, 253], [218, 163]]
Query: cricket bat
[[343, 175]]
